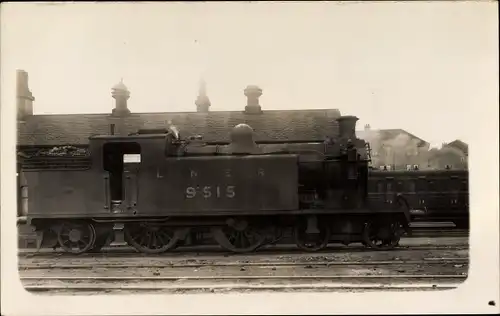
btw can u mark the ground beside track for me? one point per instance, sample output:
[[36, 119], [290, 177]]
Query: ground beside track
[[185, 272]]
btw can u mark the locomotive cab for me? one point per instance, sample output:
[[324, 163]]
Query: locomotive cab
[[118, 158]]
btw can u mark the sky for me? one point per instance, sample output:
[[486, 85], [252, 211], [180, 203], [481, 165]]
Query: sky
[[423, 67]]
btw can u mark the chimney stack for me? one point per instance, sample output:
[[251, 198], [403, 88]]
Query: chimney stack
[[253, 94], [121, 94], [24, 97], [202, 101], [347, 127]]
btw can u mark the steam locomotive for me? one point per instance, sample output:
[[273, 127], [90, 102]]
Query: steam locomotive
[[155, 190]]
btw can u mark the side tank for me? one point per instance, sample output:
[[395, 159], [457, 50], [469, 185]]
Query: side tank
[[332, 172]]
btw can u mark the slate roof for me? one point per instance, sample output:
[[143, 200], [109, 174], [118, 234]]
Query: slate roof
[[391, 134], [75, 129]]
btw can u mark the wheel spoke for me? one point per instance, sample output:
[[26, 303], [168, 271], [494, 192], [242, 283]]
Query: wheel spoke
[[162, 241], [76, 237], [240, 241], [150, 239], [143, 239]]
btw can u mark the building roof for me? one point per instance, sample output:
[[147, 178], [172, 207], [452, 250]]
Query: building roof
[[75, 129], [460, 145], [387, 134]]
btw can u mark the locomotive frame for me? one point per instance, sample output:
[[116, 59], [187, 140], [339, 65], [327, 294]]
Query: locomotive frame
[[156, 191]]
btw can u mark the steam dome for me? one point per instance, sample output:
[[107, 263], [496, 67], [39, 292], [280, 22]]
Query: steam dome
[[242, 139]]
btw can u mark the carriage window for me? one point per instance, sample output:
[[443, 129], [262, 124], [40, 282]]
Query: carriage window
[[411, 186], [380, 186], [464, 185], [441, 185], [399, 187], [422, 185], [432, 186], [452, 184], [389, 187]]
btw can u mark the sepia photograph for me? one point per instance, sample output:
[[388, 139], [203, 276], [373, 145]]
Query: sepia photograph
[[217, 150]]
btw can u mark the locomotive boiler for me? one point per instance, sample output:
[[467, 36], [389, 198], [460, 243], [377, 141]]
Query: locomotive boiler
[[156, 191]]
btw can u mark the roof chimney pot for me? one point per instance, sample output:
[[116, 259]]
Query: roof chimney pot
[[121, 94], [24, 97], [253, 94], [202, 101]]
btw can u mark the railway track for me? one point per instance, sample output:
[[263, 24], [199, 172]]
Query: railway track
[[239, 283], [419, 264], [410, 272], [426, 261], [125, 252]]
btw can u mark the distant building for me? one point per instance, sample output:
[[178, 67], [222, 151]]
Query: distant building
[[454, 155], [460, 145], [395, 148]]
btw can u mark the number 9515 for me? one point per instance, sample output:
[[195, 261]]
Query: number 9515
[[208, 192]]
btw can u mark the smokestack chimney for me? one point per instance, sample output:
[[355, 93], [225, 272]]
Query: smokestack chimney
[[24, 97], [202, 101], [121, 94], [347, 127], [253, 94]]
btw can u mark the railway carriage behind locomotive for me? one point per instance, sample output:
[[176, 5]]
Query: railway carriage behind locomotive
[[432, 195], [157, 191]]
